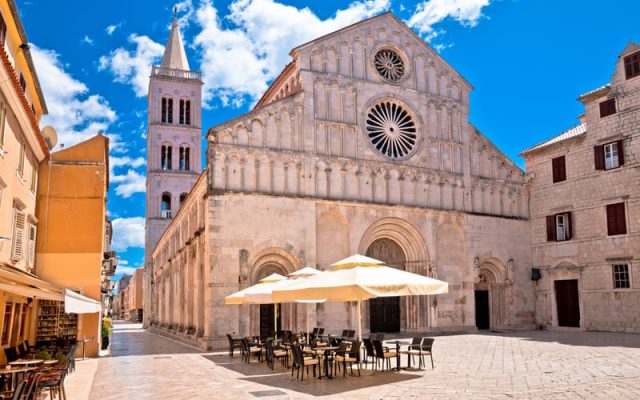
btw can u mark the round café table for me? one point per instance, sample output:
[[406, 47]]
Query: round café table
[[13, 372], [25, 362], [398, 343]]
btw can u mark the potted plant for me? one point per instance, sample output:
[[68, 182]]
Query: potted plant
[[106, 332]]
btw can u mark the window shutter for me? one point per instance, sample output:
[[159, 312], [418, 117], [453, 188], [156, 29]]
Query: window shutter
[[18, 236], [31, 256], [598, 152], [569, 227], [616, 220], [621, 152], [621, 221], [551, 228]]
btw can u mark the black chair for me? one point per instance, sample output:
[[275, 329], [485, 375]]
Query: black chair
[[53, 381], [352, 356], [382, 355], [300, 362], [345, 333], [248, 350], [340, 351], [11, 354], [276, 353], [380, 336], [17, 393], [351, 334], [426, 348], [414, 350], [369, 351], [234, 343]]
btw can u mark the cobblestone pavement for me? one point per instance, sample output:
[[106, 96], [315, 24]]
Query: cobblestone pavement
[[522, 365]]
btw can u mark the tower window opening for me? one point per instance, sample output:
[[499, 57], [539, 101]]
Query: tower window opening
[[165, 157], [166, 205], [185, 112], [184, 158]]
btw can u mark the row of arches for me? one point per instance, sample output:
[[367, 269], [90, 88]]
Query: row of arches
[[166, 200], [184, 157], [167, 112]]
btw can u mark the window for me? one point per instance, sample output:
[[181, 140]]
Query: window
[[609, 156], [616, 220], [3, 31], [23, 149], [14, 323], [17, 252], [559, 227], [163, 111], [621, 276], [23, 83], [183, 197], [165, 157], [23, 321], [632, 65], [31, 246], [607, 107], [166, 205], [6, 323], [3, 118], [34, 177], [185, 112], [184, 159], [166, 112], [559, 169]]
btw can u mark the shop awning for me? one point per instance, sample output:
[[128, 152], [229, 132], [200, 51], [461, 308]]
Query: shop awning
[[22, 283]]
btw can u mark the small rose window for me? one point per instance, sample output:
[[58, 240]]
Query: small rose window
[[389, 65]]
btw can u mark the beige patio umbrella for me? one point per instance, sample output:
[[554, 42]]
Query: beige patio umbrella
[[359, 278], [244, 296], [263, 294]]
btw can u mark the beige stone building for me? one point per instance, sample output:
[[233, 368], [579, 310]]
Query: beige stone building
[[361, 145], [135, 292], [585, 210]]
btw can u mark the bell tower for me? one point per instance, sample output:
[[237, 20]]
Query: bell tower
[[174, 153]]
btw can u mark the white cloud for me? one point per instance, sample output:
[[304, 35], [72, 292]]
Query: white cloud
[[124, 268], [133, 67], [127, 232], [130, 183], [428, 13], [259, 40], [111, 28], [74, 113], [87, 40], [187, 10]]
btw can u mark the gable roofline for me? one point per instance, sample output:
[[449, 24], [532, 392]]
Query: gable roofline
[[570, 133], [602, 90], [287, 68], [496, 148], [297, 49]]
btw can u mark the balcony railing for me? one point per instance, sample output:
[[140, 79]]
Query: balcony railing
[[175, 73], [166, 214]]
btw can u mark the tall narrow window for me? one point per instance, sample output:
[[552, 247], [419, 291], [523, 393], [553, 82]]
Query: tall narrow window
[[163, 157], [3, 118], [184, 159], [23, 322], [163, 110], [183, 197], [6, 323], [170, 111], [187, 162], [166, 205], [23, 149], [616, 219], [187, 112], [15, 323], [559, 168], [181, 158], [34, 177], [181, 112], [18, 235], [169, 157], [632, 65]]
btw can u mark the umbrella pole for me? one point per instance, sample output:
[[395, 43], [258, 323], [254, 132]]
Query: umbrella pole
[[307, 323], [360, 320], [275, 320]]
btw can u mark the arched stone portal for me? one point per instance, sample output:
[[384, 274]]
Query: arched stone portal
[[493, 295], [384, 312], [403, 245]]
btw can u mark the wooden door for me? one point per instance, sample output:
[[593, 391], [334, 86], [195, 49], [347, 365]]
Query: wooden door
[[384, 312], [482, 309], [568, 302], [266, 319]]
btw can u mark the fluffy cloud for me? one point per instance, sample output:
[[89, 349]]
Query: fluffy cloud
[[111, 28], [74, 113], [428, 13], [87, 40], [124, 268], [133, 67], [129, 183], [259, 39], [127, 232]]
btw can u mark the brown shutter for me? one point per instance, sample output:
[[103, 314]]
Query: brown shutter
[[598, 152], [562, 169], [554, 169], [621, 221], [616, 220], [621, 152], [569, 227], [551, 228]]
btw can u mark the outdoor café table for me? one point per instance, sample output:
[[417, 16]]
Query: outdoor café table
[[327, 351], [25, 363], [13, 372], [398, 343], [50, 362]]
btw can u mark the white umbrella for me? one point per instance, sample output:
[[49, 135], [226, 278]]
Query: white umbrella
[[359, 278]]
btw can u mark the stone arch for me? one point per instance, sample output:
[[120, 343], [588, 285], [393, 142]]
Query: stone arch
[[492, 276], [402, 232]]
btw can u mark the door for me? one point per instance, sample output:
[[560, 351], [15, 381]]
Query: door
[[266, 319], [482, 310], [384, 314], [568, 302]]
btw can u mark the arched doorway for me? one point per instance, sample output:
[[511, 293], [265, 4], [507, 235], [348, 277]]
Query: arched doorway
[[492, 295], [268, 325], [384, 312]]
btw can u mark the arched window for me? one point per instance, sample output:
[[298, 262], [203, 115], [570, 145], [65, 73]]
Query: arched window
[[166, 205], [185, 112], [165, 157], [166, 113], [183, 197], [185, 162]]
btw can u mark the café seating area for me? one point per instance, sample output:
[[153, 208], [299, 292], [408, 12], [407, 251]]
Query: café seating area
[[317, 355]]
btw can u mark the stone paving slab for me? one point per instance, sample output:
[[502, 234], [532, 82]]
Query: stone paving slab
[[521, 365]]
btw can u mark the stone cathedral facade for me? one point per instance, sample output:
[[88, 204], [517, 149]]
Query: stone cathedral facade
[[361, 145]]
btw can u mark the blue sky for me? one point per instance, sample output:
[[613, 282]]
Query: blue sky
[[528, 61]]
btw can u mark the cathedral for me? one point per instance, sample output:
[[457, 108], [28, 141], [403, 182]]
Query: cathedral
[[362, 144]]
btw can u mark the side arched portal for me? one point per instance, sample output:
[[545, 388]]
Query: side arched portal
[[493, 295]]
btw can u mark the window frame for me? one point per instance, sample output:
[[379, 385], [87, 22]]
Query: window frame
[[632, 65], [616, 212], [3, 120], [561, 227], [552, 222], [606, 108], [621, 277], [559, 169], [613, 146], [21, 158], [6, 323]]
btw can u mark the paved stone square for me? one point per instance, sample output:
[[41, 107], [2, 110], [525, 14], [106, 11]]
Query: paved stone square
[[521, 365]]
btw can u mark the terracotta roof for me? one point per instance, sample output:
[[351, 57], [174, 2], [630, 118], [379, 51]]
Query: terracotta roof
[[577, 130]]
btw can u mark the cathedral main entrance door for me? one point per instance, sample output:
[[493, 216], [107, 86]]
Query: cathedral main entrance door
[[266, 319], [384, 312]]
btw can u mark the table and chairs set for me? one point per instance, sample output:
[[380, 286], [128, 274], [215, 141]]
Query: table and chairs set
[[26, 377], [327, 355]]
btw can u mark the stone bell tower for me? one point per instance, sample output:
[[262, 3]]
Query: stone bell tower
[[173, 143]]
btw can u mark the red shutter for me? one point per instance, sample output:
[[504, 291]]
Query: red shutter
[[616, 219], [554, 169], [621, 219], [569, 228], [621, 152], [551, 228], [598, 152]]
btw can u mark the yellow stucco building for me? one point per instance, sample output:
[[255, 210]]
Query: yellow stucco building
[[73, 248]]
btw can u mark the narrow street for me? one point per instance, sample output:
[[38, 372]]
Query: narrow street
[[519, 365]]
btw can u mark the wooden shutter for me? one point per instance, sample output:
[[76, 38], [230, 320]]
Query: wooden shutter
[[621, 152], [551, 228], [598, 153], [31, 251], [18, 235], [559, 169], [616, 219], [568, 226]]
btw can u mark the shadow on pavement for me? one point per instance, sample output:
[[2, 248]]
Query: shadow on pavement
[[574, 338]]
